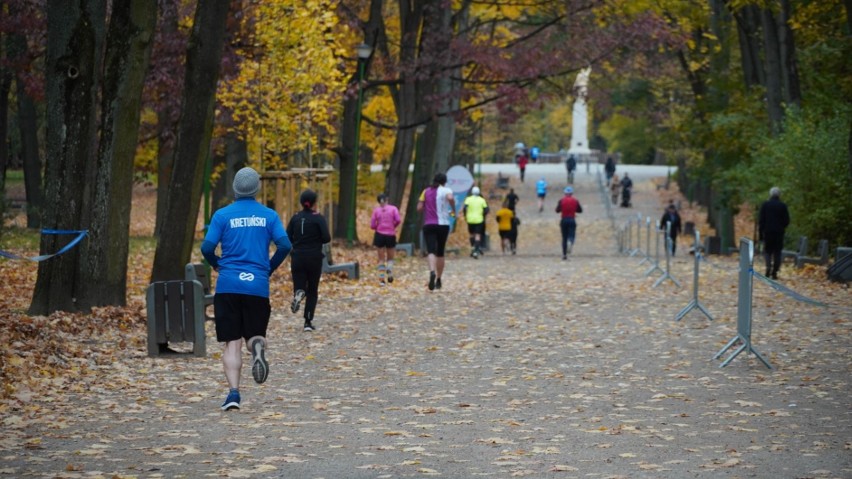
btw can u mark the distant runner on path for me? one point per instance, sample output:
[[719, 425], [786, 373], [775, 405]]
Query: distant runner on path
[[475, 211], [384, 221], [505, 224], [568, 207], [437, 204], [522, 165], [511, 199], [541, 192]]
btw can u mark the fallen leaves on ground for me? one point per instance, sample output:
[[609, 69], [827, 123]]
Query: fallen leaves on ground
[[521, 366]]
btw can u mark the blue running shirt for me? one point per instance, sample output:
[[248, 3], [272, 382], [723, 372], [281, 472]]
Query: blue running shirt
[[245, 228]]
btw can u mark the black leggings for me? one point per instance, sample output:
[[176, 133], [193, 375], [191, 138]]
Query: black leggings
[[435, 237], [306, 271]]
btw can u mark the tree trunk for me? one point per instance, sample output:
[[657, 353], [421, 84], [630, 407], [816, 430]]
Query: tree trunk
[[166, 124], [409, 115], [104, 264], [790, 77], [424, 169], [848, 4], [235, 157], [404, 143], [74, 42], [28, 125], [772, 53], [849, 154], [425, 158], [347, 168], [28, 132], [396, 182], [5, 86], [446, 89], [749, 34], [203, 58], [720, 59]]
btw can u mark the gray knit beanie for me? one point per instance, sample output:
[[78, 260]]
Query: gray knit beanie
[[246, 183]]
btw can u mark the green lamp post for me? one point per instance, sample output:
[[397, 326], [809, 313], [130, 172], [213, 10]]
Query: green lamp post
[[363, 50]]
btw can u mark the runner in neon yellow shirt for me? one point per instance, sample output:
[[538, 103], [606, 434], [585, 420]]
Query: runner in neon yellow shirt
[[475, 209]]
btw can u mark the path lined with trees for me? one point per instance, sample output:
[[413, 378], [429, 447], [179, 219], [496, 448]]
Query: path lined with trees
[[522, 365], [95, 95]]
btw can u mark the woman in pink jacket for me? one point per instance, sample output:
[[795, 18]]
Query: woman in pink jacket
[[384, 221]]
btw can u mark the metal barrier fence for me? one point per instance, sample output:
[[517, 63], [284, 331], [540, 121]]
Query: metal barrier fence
[[695, 303], [655, 263], [667, 273], [626, 245], [744, 307], [637, 249]]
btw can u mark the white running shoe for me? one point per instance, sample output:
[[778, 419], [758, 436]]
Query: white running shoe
[[298, 296]]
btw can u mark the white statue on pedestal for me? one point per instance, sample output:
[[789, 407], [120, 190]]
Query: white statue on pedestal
[[581, 84], [580, 115]]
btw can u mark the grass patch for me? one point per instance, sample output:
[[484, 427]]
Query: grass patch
[[14, 177], [19, 239]]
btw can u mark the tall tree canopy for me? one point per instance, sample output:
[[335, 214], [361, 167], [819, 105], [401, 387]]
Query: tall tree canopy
[[739, 94]]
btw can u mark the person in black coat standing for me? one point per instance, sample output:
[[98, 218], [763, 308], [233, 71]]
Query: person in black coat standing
[[609, 169], [571, 166], [772, 221], [672, 217], [626, 189]]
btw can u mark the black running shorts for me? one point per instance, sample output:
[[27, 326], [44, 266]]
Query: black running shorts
[[384, 241], [240, 316], [476, 229]]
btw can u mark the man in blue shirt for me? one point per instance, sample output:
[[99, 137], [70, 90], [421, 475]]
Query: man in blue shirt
[[245, 228]]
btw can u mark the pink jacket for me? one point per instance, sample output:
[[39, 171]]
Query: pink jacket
[[385, 219]]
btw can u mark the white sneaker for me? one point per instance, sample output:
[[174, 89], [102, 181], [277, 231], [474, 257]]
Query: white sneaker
[[259, 366], [298, 296]]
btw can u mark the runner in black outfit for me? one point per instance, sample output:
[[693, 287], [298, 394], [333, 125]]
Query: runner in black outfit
[[308, 231], [511, 199]]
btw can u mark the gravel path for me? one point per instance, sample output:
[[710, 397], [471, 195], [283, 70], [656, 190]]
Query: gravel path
[[521, 366]]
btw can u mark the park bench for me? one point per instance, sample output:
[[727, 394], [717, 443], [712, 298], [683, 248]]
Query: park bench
[[713, 245], [176, 314], [801, 250], [328, 266], [820, 258], [502, 182], [408, 248], [200, 273], [841, 269]]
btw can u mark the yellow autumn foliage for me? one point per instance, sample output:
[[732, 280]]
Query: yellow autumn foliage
[[287, 94]]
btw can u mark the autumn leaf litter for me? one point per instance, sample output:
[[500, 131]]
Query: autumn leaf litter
[[520, 366]]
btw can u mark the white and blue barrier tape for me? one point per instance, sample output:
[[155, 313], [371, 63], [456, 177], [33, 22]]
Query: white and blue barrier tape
[[80, 235]]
